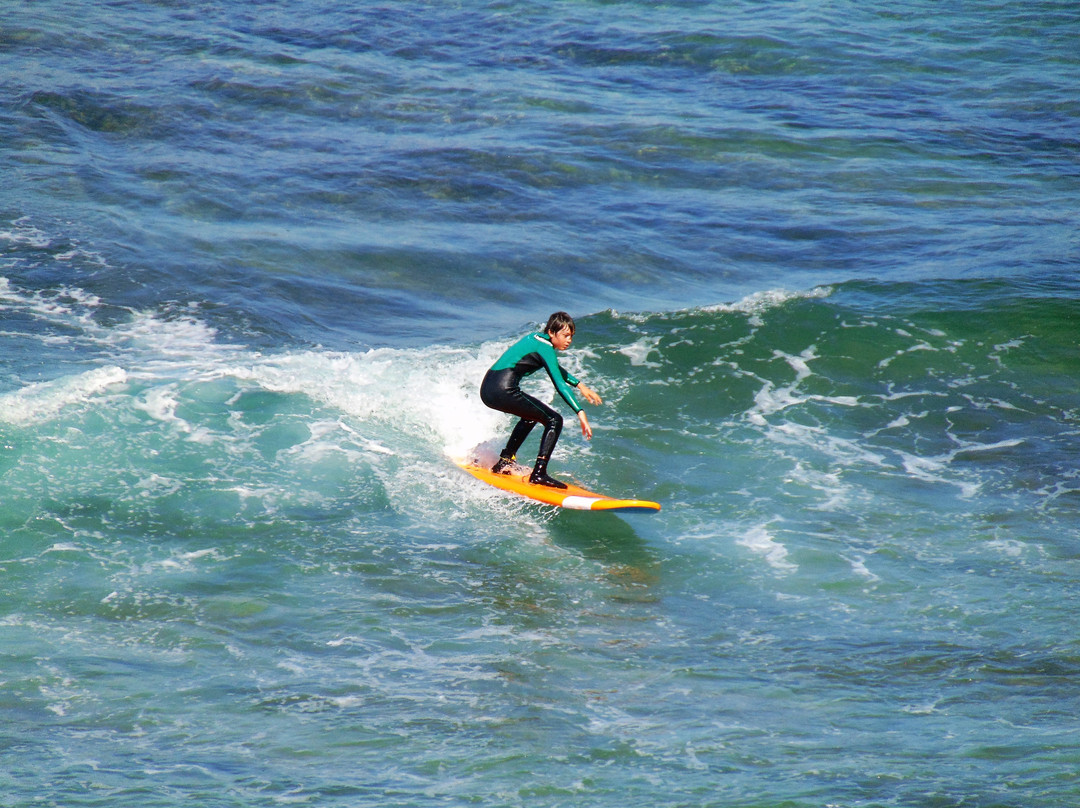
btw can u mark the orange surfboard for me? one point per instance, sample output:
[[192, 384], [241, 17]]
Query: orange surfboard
[[572, 497]]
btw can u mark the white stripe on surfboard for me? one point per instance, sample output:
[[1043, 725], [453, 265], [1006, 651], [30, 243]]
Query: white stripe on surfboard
[[579, 503]]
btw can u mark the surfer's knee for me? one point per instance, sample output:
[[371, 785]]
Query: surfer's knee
[[555, 421]]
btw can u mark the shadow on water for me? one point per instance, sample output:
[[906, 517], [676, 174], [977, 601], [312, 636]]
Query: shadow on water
[[607, 539]]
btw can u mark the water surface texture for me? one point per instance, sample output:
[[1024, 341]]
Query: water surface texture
[[254, 261]]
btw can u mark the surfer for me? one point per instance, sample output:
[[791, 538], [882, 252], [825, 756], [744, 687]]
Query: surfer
[[501, 391]]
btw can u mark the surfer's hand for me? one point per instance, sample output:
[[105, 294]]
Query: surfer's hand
[[589, 394], [586, 430]]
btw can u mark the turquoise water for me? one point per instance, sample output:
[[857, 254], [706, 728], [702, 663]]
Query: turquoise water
[[254, 260]]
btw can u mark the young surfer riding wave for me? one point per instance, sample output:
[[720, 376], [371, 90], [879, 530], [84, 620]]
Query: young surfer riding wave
[[501, 391]]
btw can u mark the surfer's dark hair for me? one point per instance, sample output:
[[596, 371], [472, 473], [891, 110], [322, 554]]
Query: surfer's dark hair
[[558, 321]]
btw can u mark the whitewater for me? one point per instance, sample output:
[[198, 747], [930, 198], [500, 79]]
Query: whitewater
[[254, 262]]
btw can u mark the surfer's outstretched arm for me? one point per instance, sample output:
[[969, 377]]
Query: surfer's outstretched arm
[[592, 397], [589, 394]]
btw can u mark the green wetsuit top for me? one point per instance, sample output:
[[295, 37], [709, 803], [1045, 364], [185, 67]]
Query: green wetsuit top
[[535, 351]]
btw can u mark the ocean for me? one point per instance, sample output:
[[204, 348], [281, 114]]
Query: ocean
[[255, 258]]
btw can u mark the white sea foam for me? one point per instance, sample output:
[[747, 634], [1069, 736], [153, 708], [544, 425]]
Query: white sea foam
[[638, 352], [973, 448], [68, 306], [760, 541], [754, 304], [386, 399], [858, 566], [768, 299], [25, 234], [921, 346], [829, 484], [758, 303], [155, 485], [44, 400], [365, 407], [1005, 347], [64, 547], [160, 404], [181, 561], [1008, 547], [936, 469], [771, 399], [427, 394]]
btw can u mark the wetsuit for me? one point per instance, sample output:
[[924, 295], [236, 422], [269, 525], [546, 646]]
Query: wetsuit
[[501, 390]]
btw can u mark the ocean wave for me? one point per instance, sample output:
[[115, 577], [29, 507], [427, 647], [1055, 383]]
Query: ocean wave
[[41, 402], [826, 389], [257, 258]]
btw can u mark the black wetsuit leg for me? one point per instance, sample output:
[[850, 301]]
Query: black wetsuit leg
[[500, 391], [517, 437]]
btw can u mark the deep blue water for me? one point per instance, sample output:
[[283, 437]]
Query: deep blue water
[[254, 260]]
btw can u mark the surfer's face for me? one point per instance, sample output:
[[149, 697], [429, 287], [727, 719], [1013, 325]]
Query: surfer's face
[[561, 339]]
